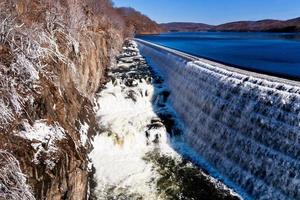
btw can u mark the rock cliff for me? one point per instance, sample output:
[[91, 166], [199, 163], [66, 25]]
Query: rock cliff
[[53, 58]]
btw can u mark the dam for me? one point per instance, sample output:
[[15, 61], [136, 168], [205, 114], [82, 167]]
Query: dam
[[244, 124]]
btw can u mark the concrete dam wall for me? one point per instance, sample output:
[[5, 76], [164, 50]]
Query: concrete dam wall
[[246, 125]]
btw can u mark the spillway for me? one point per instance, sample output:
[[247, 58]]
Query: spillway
[[133, 155], [246, 125]]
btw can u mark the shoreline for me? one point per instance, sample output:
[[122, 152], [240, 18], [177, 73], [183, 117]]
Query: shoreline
[[145, 34]]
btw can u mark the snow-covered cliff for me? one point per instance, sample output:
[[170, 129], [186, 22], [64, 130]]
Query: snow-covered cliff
[[53, 57]]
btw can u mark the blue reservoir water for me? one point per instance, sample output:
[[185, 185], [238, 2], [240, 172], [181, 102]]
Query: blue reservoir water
[[272, 53]]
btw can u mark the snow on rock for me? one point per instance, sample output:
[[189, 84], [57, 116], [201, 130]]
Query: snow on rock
[[23, 54], [43, 139], [84, 128], [6, 113], [12, 181]]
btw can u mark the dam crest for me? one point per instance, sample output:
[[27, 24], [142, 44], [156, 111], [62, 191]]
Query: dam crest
[[246, 125]]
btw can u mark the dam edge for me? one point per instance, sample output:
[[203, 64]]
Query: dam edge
[[210, 98]]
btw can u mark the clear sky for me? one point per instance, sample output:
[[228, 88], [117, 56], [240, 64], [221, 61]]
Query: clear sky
[[214, 11]]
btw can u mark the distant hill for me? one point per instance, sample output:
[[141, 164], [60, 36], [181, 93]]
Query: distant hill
[[140, 23], [185, 27], [268, 25]]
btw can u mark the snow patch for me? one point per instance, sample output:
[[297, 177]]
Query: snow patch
[[84, 128], [43, 139], [13, 184], [6, 113]]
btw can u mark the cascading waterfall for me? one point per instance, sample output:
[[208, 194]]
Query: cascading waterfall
[[133, 155], [246, 125]]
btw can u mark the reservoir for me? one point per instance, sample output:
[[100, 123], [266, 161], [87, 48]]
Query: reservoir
[[271, 53]]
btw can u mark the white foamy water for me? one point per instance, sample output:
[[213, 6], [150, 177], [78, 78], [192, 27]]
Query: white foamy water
[[119, 151], [132, 109], [132, 153]]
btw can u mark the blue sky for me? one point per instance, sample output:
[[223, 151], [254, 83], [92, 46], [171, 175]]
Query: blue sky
[[214, 11]]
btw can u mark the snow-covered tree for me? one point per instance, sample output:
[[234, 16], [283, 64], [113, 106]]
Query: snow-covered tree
[[12, 181]]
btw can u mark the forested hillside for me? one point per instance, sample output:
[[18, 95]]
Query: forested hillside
[[53, 58]]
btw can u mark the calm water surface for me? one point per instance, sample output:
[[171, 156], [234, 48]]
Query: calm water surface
[[272, 53]]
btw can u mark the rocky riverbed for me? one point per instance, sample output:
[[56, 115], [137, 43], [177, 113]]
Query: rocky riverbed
[[134, 155]]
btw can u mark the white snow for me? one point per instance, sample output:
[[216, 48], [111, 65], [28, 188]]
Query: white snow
[[28, 52], [84, 133], [6, 113], [16, 101], [13, 184], [43, 134]]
